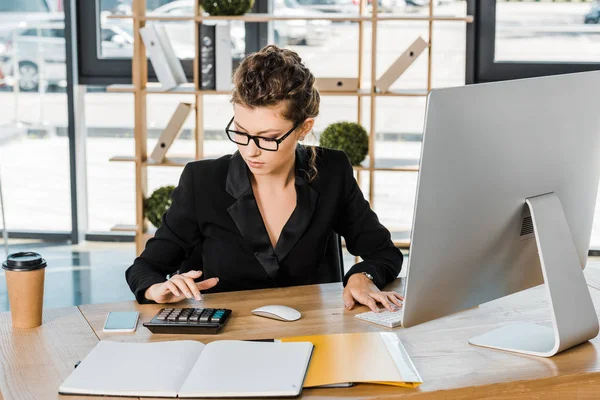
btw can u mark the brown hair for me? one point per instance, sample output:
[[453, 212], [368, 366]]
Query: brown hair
[[273, 75]]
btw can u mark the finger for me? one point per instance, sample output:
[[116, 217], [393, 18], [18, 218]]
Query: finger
[[182, 286], [192, 287], [348, 299], [172, 288], [394, 299], [367, 301], [382, 298], [193, 274], [207, 284], [397, 295]]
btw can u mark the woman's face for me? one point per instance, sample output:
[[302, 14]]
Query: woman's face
[[267, 122]]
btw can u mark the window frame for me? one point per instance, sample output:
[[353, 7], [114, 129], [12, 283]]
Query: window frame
[[95, 70], [481, 49]]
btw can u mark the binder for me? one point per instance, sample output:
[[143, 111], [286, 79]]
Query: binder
[[171, 131], [223, 59], [400, 65], [207, 56], [162, 56], [216, 62], [348, 358], [337, 84]]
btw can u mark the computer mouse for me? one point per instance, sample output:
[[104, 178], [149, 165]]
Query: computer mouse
[[281, 313]]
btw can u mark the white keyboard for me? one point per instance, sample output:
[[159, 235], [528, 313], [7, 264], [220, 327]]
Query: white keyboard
[[385, 318]]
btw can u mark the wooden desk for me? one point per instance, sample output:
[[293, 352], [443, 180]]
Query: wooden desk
[[34, 362], [450, 367]]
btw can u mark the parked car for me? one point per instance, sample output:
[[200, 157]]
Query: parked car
[[593, 16], [16, 13], [352, 7], [313, 32], [43, 49], [347, 7]]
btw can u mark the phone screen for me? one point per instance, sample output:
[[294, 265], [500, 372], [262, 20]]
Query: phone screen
[[121, 320]]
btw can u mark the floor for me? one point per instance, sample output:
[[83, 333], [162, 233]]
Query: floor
[[90, 273], [86, 274]]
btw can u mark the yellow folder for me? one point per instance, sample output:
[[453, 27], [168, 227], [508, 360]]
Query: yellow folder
[[370, 357]]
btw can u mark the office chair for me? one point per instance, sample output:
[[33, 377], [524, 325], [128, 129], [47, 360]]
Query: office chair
[[334, 259]]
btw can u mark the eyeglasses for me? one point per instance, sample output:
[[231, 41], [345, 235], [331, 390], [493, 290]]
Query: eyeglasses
[[268, 144]]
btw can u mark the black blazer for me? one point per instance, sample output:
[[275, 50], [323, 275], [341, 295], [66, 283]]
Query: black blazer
[[214, 225]]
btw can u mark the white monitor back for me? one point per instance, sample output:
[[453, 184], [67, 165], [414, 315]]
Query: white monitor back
[[486, 148]]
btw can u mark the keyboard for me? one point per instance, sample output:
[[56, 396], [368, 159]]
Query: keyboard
[[188, 320], [384, 318]]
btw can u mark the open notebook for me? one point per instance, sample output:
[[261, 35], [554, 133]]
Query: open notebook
[[187, 368], [347, 358]]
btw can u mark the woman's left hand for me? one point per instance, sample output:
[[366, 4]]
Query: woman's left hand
[[362, 290]]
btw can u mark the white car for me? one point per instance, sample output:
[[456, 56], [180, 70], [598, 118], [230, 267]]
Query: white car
[[42, 50], [313, 32], [310, 32], [17, 14]]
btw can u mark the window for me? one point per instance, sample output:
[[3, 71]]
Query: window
[[564, 32], [525, 39], [24, 6], [55, 33], [34, 152]]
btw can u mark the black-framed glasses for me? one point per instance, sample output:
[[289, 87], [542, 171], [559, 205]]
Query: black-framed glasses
[[268, 144]]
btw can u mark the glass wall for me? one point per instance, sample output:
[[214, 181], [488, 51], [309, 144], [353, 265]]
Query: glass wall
[[557, 32], [34, 156]]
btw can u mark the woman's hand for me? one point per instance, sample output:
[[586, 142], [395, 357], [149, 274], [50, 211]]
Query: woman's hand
[[179, 287], [362, 290]]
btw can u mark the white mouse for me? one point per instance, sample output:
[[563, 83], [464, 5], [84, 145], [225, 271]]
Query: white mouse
[[281, 313]]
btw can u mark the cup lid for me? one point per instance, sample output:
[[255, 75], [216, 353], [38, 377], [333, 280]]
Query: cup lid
[[24, 261]]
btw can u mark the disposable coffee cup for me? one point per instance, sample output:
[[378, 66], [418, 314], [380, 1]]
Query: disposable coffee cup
[[25, 283]]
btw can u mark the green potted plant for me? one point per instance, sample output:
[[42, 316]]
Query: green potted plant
[[227, 7], [157, 204], [350, 137]]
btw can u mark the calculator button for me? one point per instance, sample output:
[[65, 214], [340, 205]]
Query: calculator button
[[162, 316], [196, 314], [174, 315], [185, 314], [205, 316]]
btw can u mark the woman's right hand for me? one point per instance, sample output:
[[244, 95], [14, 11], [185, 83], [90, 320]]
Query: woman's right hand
[[179, 287]]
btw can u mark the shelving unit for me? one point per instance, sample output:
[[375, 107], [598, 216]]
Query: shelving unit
[[140, 88]]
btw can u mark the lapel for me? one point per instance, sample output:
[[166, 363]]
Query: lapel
[[246, 214]]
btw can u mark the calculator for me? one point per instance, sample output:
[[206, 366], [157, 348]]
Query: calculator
[[188, 320]]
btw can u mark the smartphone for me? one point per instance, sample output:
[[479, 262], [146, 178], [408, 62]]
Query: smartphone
[[121, 321]]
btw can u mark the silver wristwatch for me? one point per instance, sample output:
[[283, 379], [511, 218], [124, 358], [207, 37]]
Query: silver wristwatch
[[368, 275]]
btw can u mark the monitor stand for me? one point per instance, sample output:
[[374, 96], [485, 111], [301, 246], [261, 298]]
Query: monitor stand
[[574, 318]]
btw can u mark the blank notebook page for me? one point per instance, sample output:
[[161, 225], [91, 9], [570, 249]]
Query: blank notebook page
[[231, 368], [140, 369]]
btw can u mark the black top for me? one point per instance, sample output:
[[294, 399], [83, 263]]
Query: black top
[[214, 225]]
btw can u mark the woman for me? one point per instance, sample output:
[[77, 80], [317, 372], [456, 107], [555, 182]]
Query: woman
[[261, 217]]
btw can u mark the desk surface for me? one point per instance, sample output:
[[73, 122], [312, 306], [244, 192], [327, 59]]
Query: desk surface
[[449, 366]]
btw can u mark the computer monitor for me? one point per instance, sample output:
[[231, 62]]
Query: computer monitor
[[507, 170]]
